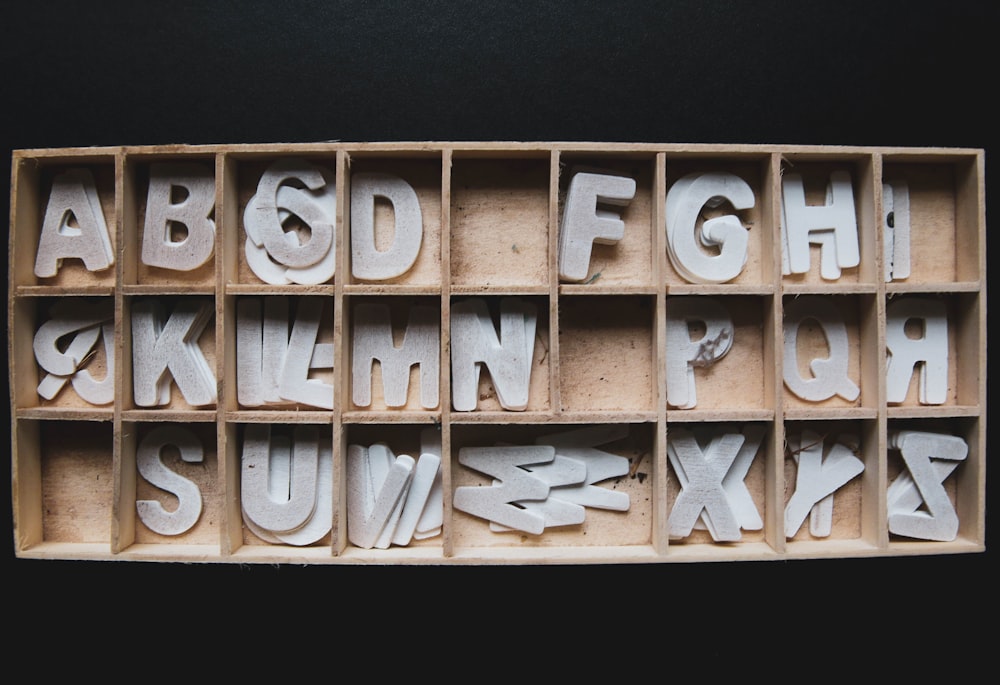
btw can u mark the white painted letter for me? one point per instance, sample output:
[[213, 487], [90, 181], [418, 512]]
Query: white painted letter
[[683, 354], [929, 352], [372, 333], [73, 196], [584, 224], [367, 262], [158, 347], [803, 224], [690, 247], [829, 374], [474, 343], [194, 212], [151, 467]]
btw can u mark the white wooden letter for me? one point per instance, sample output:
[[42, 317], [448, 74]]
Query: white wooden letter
[[716, 251], [73, 196], [151, 467], [159, 347], [377, 482], [194, 212], [289, 510], [367, 261], [683, 354], [580, 445], [829, 374], [432, 516], [931, 515], [372, 334], [474, 343], [278, 256], [816, 479], [701, 475], [803, 224], [303, 354], [585, 223], [929, 352], [896, 230], [86, 321], [512, 484], [426, 473]]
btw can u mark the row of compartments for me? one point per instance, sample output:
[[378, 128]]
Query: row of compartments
[[393, 357], [490, 221], [798, 488]]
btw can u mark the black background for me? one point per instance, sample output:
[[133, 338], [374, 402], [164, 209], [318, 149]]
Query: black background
[[854, 73]]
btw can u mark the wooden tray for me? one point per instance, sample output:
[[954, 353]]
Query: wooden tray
[[491, 216]]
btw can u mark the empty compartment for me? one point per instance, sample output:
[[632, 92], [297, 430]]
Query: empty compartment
[[64, 484], [500, 223], [607, 358]]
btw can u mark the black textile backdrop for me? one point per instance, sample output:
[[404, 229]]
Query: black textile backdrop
[[849, 72]]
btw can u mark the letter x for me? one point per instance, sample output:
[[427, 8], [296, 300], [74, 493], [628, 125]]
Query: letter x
[[701, 475]]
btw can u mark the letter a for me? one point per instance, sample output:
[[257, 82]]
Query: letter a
[[74, 195]]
